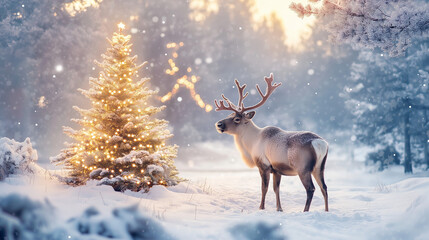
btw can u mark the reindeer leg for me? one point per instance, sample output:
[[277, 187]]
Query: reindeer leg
[[276, 186], [309, 187], [318, 175], [265, 176]]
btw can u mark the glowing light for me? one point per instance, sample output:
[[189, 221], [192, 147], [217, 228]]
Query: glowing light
[[121, 27], [78, 6], [184, 81], [17, 15], [201, 9], [42, 102], [296, 30], [59, 68]]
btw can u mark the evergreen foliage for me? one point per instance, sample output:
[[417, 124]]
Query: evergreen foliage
[[384, 157], [120, 142], [388, 97]]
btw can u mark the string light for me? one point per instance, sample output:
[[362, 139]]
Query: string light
[[184, 80], [105, 140]]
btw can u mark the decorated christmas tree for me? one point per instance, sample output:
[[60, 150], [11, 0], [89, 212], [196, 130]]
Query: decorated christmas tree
[[120, 143]]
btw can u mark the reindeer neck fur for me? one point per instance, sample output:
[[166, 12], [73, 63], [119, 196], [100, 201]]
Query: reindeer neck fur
[[245, 139]]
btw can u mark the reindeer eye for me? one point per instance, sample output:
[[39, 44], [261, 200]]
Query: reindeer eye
[[237, 120]]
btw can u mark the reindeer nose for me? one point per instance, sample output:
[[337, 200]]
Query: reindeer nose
[[220, 126]]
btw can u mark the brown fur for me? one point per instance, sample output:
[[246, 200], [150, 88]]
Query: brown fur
[[284, 169]]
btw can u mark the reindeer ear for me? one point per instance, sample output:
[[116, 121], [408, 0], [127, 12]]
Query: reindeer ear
[[249, 115]]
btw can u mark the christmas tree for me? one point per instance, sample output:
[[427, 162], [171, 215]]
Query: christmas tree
[[120, 142]]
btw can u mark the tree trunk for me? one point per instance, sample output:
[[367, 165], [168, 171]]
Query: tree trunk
[[426, 149], [426, 139], [408, 168]]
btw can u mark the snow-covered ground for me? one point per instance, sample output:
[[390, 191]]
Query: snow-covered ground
[[219, 204]]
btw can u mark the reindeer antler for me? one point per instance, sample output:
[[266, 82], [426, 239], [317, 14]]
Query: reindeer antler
[[270, 89], [221, 105], [240, 92], [240, 107]]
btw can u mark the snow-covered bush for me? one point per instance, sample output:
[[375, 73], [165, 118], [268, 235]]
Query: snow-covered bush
[[22, 218], [25, 219], [121, 223], [16, 157], [257, 231]]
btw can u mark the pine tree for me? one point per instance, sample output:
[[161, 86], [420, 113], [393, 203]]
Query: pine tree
[[120, 143], [388, 97]]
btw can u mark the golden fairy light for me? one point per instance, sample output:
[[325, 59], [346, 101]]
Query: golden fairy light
[[17, 15], [134, 18], [99, 153], [42, 102], [188, 81], [78, 6]]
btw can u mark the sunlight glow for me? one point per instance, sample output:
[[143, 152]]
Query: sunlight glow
[[296, 29]]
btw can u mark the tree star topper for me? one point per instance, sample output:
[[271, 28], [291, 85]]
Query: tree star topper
[[121, 26]]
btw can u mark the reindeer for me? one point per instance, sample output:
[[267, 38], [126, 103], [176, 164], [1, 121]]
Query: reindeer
[[272, 149]]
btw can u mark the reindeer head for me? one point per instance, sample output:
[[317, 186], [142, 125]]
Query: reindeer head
[[240, 117]]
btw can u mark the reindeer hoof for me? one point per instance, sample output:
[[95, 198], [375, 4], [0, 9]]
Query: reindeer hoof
[[279, 210], [261, 208]]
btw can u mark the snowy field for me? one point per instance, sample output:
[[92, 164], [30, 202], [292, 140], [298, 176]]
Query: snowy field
[[219, 204]]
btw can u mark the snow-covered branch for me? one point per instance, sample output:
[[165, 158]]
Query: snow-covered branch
[[389, 25]]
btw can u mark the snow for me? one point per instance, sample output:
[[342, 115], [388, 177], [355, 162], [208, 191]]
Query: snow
[[16, 157], [219, 204], [137, 157], [154, 169]]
